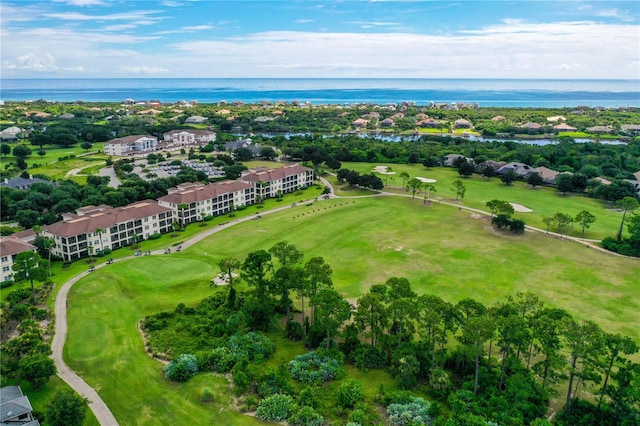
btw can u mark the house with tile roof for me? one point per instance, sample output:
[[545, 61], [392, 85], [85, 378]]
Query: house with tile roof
[[547, 175], [564, 127], [599, 129], [201, 200], [269, 183], [461, 123], [131, 145], [10, 247], [10, 133], [104, 227], [15, 408], [195, 119], [520, 169], [189, 137]]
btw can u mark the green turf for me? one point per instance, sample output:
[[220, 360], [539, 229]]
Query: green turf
[[542, 200], [441, 251]]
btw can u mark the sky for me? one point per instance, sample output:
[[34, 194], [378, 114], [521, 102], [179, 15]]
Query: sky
[[562, 39]]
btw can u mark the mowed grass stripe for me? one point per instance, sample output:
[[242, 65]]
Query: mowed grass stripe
[[440, 249]]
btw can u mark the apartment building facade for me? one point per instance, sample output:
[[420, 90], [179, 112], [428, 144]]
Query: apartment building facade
[[95, 228], [191, 202], [10, 247], [131, 145], [189, 137], [269, 183]]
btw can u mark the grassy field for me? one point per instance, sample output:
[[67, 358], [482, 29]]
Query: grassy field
[[441, 251], [544, 201]]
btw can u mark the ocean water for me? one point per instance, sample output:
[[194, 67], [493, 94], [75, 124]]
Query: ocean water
[[485, 92]]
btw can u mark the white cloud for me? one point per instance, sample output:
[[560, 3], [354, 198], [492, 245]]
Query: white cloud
[[170, 3], [142, 70], [82, 2], [198, 27], [33, 62], [303, 21], [128, 16]]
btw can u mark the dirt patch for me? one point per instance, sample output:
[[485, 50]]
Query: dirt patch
[[478, 216]]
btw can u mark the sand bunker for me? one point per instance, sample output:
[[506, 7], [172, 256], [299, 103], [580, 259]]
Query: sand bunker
[[520, 208], [426, 180], [383, 170]]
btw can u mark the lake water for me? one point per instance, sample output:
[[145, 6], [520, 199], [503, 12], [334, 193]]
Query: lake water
[[484, 92]]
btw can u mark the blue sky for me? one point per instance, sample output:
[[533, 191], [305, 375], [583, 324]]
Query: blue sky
[[323, 39]]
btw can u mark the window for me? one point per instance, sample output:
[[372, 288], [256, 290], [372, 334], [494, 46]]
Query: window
[[5, 258], [5, 268]]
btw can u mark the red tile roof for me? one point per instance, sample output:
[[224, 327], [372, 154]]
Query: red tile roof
[[128, 139], [12, 245], [107, 218], [203, 192], [275, 174]]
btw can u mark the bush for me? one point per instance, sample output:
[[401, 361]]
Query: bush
[[154, 236], [66, 409], [253, 346], [181, 369], [414, 413], [368, 357], [206, 395], [350, 393], [311, 368], [220, 360], [275, 408], [293, 330], [306, 416], [274, 381]]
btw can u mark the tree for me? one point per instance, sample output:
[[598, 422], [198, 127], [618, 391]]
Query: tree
[[414, 186], [331, 311], [317, 275], [563, 221], [428, 190], [86, 145], [549, 221], [500, 207], [181, 208], [585, 219], [268, 153], [254, 271], [466, 169], [36, 369], [564, 183], [584, 342], [404, 176], [627, 204], [21, 151], [30, 266], [488, 172], [509, 177], [67, 409], [287, 254], [371, 317], [614, 345], [227, 267], [458, 188], [5, 149], [243, 154], [429, 162], [475, 332], [535, 179], [100, 231]]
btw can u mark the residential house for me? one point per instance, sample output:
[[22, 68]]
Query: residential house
[[272, 182], [599, 129], [360, 122], [521, 169], [387, 122], [563, 127], [631, 128], [495, 165], [429, 123], [193, 201], [103, 227], [10, 133], [24, 183], [556, 118], [547, 175], [67, 116], [461, 123], [195, 119], [450, 159], [15, 408], [498, 118], [131, 145], [530, 126], [10, 247], [189, 137]]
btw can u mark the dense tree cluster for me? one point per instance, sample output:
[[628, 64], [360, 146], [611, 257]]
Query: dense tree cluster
[[498, 363]]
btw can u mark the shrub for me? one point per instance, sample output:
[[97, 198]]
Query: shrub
[[254, 346], [220, 360], [311, 368], [181, 369], [154, 236], [293, 330], [350, 393], [241, 381], [306, 416], [274, 381], [414, 413], [206, 395], [275, 408], [367, 357]]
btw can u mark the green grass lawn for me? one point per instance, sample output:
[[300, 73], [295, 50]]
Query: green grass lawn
[[544, 201], [441, 251]]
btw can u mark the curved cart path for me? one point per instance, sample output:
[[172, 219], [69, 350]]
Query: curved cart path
[[97, 405]]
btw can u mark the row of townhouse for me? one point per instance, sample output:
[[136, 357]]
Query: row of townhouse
[[141, 144], [10, 247], [95, 228]]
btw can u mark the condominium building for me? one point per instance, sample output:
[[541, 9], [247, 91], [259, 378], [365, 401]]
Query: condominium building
[[189, 137], [95, 228], [193, 201], [271, 182], [131, 145], [10, 247]]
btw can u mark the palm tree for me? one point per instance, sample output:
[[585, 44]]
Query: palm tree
[[404, 176], [182, 207], [49, 243], [90, 250], [100, 231], [37, 229], [428, 189]]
